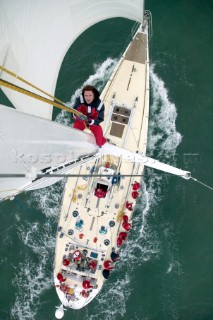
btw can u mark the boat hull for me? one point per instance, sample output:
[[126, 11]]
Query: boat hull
[[97, 209]]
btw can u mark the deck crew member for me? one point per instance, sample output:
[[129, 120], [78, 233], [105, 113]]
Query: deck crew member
[[90, 105]]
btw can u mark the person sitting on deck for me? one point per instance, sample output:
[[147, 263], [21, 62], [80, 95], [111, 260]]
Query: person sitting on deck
[[127, 226], [121, 237], [114, 256], [91, 106], [60, 277], [77, 255], [99, 193], [108, 265], [86, 284], [101, 190], [92, 265]]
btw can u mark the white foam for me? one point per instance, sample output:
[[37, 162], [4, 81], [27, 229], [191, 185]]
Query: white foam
[[163, 138], [29, 282], [33, 278], [163, 135], [48, 200], [112, 299]]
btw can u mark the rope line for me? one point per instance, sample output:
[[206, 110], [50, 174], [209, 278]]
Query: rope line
[[38, 97], [30, 84]]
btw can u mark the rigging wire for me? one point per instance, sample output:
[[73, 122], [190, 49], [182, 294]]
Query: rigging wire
[[74, 175], [30, 84], [38, 97], [59, 104], [205, 185]]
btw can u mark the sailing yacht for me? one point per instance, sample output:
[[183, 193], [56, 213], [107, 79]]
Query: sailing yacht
[[99, 200]]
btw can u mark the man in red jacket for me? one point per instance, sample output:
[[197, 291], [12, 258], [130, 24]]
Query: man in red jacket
[[90, 105]]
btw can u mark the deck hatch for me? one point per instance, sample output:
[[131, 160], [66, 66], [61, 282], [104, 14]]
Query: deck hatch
[[122, 111], [120, 118], [117, 130]]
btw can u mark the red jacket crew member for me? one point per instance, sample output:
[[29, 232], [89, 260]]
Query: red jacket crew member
[[91, 105]]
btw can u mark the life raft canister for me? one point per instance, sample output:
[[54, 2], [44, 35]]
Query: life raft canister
[[136, 186], [77, 255], [108, 265], [129, 206]]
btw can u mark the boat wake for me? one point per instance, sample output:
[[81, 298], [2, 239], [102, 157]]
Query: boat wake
[[35, 277], [163, 140], [163, 137]]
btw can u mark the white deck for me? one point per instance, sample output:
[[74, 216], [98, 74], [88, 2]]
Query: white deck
[[126, 99]]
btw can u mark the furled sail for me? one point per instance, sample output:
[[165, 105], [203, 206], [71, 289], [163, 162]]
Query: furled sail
[[35, 36], [30, 144]]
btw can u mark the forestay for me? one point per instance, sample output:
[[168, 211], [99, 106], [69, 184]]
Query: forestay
[[35, 36]]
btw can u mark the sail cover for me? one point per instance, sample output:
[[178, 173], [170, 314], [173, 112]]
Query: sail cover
[[36, 34]]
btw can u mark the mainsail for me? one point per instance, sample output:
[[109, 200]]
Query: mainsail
[[35, 36]]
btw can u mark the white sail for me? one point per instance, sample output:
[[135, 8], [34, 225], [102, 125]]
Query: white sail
[[29, 144], [35, 36]]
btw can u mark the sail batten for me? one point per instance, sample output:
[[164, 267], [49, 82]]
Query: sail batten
[[35, 36]]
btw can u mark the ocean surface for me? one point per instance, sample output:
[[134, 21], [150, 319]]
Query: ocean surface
[[166, 268]]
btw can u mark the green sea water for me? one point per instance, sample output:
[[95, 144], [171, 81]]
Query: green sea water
[[165, 270]]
